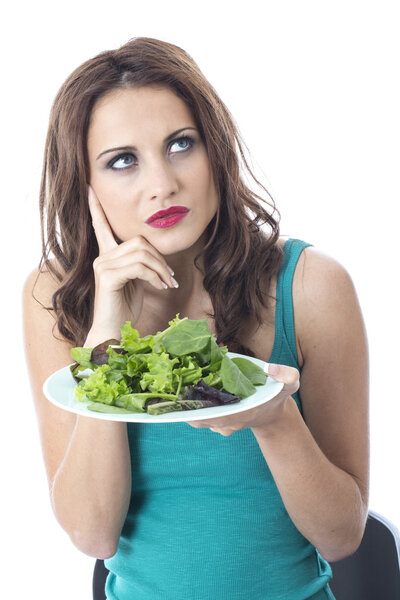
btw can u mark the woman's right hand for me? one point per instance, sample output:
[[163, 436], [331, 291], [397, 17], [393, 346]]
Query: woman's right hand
[[119, 272]]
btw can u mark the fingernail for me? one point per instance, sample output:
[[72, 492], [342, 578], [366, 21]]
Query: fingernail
[[170, 270], [164, 285], [174, 282], [273, 369]]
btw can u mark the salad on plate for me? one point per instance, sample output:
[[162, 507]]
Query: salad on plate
[[180, 368]]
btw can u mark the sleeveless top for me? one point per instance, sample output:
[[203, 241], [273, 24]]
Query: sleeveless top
[[206, 520]]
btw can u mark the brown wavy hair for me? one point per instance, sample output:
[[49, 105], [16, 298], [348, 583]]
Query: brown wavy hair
[[240, 257]]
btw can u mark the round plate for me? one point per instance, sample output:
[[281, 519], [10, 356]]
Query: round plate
[[59, 389]]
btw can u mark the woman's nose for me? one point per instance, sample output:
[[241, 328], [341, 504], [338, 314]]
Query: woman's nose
[[161, 181]]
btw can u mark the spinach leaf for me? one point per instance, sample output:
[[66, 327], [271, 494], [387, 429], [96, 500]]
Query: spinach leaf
[[189, 337], [234, 381], [252, 371]]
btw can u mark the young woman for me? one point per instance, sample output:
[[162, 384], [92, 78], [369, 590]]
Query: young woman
[[146, 212]]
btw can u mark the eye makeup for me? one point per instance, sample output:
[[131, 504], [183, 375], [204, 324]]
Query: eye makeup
[[124, 157]]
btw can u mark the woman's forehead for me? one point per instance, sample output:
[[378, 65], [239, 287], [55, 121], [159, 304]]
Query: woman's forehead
[[138, 111]]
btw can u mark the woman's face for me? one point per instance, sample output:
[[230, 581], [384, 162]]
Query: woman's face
[[146, 155]]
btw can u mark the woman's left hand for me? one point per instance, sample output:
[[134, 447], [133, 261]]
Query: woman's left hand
[[263, 416]]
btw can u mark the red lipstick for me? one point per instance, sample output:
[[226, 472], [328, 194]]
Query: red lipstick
[[168, 217]]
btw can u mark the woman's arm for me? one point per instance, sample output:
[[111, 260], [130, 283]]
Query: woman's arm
[[321, 466], [87, 460]]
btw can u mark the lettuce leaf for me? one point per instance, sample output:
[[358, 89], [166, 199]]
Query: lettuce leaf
[[131, 342], [82, 356], [100, 388], [158, 378]]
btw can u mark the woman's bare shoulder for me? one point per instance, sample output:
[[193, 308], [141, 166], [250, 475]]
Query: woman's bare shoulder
[[39, 319], [318, 274], [323, 291], [42, 282]]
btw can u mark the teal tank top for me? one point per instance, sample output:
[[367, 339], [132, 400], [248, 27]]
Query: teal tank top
[[206, 520]]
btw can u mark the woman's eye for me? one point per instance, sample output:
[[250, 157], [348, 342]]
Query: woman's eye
[[122, 162], [125, 161], [182, 144]]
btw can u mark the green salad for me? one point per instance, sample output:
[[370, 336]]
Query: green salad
[[180, 368]]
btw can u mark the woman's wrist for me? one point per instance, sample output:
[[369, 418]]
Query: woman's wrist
[[281, 417], [99, 335]]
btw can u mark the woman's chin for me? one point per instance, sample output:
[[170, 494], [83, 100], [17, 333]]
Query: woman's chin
[[175, 244]]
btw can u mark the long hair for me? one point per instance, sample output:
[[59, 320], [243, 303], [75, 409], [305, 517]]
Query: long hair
[[240, 257]]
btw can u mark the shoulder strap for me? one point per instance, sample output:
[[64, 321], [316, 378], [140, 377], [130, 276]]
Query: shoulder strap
[[284, 317]]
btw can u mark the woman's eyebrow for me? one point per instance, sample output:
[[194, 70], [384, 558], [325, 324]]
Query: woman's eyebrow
[[133, 149]]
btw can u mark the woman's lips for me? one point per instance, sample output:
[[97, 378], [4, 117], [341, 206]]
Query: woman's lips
[[168, 217], [168, 221]]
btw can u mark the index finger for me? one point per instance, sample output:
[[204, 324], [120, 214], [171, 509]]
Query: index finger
[[101, 226]]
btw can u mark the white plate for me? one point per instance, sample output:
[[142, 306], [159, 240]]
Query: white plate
[[59, 389]]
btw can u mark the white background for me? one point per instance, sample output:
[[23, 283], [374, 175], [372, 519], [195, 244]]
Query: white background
[[313, 87]]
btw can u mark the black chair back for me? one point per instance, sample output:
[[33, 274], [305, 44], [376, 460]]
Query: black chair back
[[373, 571], [99, 580]]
